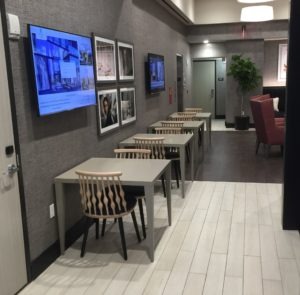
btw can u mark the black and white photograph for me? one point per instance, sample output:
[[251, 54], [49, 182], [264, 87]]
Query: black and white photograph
[[108, 110], [105, 53], [128, 108], [126, 61]]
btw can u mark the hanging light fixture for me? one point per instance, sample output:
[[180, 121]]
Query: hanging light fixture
[[254, 1], [257, 13]]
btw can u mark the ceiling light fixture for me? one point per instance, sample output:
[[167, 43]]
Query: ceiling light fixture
[[253, 1], [206, 41], [257, 13]]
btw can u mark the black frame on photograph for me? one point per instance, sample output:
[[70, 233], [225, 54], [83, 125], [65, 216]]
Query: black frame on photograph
[[129, 115], [125, 60], [113, 61], [111, 120]]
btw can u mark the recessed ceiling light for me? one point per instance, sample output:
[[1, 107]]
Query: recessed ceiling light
[[257, 13], [254, 1], [206, 41]]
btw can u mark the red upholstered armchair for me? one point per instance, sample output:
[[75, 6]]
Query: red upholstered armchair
[[267, 131], [260, 97]]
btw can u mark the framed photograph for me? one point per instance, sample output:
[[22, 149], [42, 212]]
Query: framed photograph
[[105, 54], [282, 62], [126, 61], [108, 110], [128, 108]]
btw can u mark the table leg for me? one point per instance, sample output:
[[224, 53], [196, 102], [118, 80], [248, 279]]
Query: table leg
[[209, 124], [182, 166], [60, 207], [192, 160], [149, 196], [203, 141], [168, 192]]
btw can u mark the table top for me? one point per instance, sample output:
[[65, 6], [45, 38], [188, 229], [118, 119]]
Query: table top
[[201, 115], [170, 140], [186, 124], [135, 171]]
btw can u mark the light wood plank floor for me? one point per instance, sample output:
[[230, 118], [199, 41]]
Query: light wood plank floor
[[226, 238]]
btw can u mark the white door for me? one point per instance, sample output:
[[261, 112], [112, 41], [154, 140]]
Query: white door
[[204, 81], [12, 254]]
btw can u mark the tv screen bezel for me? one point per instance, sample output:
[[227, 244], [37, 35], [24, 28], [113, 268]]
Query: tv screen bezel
[[157, 90], [34, 73]]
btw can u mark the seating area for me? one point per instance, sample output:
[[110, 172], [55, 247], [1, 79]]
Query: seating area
[[269, 130]]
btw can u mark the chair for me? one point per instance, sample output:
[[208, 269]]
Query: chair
[[172, 124], [267, 131], [196, 110], [186, 114], [279, 121], [168, 130], [102, 197], [191, 117], [136, 191]]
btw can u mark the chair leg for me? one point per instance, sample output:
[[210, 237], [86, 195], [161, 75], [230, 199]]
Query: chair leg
[[163, 185], [103, 227], [257, 146], [199, 137], [140, 202], [121, 228], [85, 235], [97, 228], [136, 226]]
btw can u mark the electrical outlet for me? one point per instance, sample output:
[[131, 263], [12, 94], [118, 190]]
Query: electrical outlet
[[51, 210]]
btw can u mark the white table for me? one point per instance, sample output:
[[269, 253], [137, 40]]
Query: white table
[[132, 175], [179, 141], [195, 126], [200, 116]]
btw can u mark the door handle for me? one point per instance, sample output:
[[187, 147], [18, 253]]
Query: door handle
[[212, 93], [12, 169]]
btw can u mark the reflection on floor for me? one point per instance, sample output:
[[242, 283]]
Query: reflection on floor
[[226, 238], [219, 125]]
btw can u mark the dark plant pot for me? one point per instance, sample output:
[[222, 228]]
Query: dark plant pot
[[242, 122]]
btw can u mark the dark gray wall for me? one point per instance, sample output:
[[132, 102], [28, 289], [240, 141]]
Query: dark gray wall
[[271, 63], [50, 145], [255, 50]]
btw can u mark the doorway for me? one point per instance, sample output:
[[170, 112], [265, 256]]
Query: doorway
[[179, 82], [204, 85], [13, 275]]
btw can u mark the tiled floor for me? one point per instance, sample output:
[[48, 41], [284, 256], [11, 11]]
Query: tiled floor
[[226, 238]]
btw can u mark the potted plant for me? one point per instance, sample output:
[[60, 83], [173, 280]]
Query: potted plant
[[245, 72]]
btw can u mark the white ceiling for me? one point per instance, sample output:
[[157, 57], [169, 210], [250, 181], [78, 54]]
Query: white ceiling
[[224, 11]]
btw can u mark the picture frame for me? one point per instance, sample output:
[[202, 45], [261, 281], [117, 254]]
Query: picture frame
[[126, 61], [128, 105], [282, 62], [108, 110], [105, 59]]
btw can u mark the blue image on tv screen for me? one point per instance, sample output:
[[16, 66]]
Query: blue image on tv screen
[[157, 72], [63, 69]]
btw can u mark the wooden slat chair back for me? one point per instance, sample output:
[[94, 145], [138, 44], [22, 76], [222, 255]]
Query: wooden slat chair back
[[132, 153], [191, 117], [172, 124], [189, 113], [155, 145], [102, 197], [168, 130], [196, 110]]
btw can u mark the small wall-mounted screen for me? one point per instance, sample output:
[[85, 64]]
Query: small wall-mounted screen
[[63, 70], [156, 73]]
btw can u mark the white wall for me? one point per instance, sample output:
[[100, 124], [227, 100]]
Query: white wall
[[187, 7]]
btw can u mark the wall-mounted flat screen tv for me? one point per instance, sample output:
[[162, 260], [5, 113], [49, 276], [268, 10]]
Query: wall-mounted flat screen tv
[[63, 70], [156, 73]]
